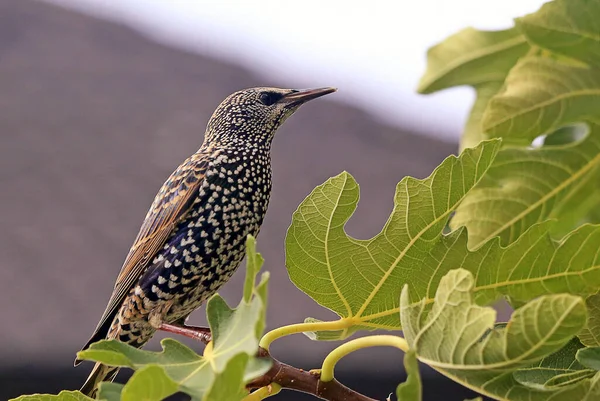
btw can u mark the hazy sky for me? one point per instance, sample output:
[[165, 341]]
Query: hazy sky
[[373, 51]]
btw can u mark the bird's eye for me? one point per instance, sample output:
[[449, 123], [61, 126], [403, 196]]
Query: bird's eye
[[269, 98]]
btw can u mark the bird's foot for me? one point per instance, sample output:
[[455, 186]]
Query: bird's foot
[[202, 334]]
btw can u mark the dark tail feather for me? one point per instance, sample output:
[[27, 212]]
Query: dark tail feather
[[100, 373]]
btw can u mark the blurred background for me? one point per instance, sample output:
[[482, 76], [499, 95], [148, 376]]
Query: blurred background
[[101, 99]]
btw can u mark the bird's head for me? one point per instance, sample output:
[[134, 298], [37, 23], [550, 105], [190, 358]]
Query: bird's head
[[251, 116]]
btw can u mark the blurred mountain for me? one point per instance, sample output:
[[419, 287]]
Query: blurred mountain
[[93, 118]]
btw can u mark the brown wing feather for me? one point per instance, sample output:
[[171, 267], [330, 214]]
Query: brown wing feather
[[170, 206]]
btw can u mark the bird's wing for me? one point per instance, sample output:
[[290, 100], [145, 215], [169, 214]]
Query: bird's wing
[[170, 206]]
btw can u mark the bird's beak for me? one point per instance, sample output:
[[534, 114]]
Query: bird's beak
[[299, 97]]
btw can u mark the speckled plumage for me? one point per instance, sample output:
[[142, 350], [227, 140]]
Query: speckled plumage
[[193, 237]]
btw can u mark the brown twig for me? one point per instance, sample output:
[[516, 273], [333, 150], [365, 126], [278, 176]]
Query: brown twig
[[300, 380], [280, 373]]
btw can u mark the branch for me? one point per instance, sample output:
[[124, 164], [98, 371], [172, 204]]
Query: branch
[[293, 378], [281, 374]]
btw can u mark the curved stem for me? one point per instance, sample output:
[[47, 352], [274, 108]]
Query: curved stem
[[263, 392], [281, 375], [364, 342], [275, 334], [292, 378]]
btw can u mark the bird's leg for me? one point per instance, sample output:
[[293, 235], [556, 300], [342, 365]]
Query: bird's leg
[[196, 333], [178, 326]]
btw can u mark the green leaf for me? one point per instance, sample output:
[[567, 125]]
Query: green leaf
[[149, 383], [532, 266], [567, 27], [537, 329], [255, 368], [566, 135], [228, 362], [233, 330], [590, 335], [192, 372], [261, 292], [459, 338], [254, 262], [537, 265], [589, 357], [472, 57], [222, 388], [110, 391], [593, 393], [541, 95], [525, 186], [556, 370], [593, 216], [62, 396], [410, 390], [361, 280], [473, 133], [233, 335], [578, 208]]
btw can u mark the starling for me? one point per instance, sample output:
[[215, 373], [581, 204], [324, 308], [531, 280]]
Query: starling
[[193, 237]]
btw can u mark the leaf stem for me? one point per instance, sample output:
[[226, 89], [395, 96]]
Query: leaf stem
[[275, 334], [364, 342], [263, 392]]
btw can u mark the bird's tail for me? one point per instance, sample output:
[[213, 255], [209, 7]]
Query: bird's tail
[[100, 373]]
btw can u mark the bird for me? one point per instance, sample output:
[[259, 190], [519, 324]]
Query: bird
[[193, 236]]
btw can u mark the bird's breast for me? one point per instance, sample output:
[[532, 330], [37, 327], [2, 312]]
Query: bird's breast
[[209, 243]]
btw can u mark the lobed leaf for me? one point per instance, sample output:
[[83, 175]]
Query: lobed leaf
[[261, 291], [590, 335], [150, 383], [254, 262], [233, 330], [541, 95], [589, 357], [228, 361], [110, 391], [228, 386], [64, 395], [472, 57], [567, 27], [458, 338], [566, 135], [557, 370], [361, 280], [525, 186], [234, 338], [473, 132], [532, 266], [579, 206]]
